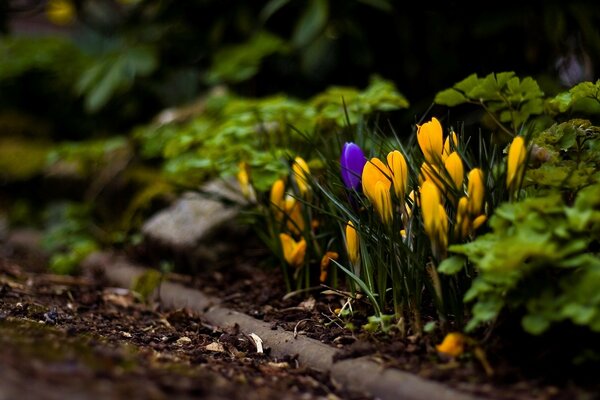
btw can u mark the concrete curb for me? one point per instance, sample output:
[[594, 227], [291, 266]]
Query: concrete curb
[[358, 374]]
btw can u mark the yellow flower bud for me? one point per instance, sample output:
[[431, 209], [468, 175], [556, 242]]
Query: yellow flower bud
[[383, 202], [430, 200], [450, 145], [293, 251], [516, 163], [301, 171], [399, 170], [455, 169], [429, 136], [243, 178], [352, 243], [277, 200], [453, 344], [480, 220], [293, 211], [442, 228], [376, 186], [475, 191], [435, 219], [325, 261], [430, 172]]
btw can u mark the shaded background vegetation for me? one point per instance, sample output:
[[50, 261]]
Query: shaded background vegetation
[[176, 50], [75, 85]]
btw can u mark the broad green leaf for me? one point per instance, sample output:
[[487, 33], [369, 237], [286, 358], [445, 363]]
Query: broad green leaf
[[452, 265], [467, 84], [503, 78], [561, 101], [450, 97]]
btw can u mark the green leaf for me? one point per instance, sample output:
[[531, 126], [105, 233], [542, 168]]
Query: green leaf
[[311, 23], [467, 84], [535, 324], [107, 85], [450, 97], [452, 265], [485, 311], [561, 101]]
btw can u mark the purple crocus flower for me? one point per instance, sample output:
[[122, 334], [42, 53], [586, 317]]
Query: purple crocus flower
[[352, 163]]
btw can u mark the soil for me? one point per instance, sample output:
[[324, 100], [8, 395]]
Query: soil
[[78, 337]]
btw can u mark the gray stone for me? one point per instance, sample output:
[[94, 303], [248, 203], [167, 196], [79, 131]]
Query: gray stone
[[199, 227]]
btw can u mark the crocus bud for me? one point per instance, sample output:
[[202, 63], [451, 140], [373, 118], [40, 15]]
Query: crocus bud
[[325, 261], [475, 191], [301, 171], [277, 197], [450, 144], [399, 169], [453, 345], [430, 200], [293, 251], [430, 136], [383, 202], [516, 163], [455, 169], [376, 186], [435, 218], [352, 243], [352, 162]]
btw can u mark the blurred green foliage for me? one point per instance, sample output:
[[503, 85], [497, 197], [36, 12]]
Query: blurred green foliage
[[263, 132], [539, 260]]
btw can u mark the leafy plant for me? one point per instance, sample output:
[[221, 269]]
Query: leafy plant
[[505, 97], [262, 132], [539, 261], [581, 98]]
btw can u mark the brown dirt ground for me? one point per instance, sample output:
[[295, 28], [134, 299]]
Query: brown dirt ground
[[68, 337], [75, 337]]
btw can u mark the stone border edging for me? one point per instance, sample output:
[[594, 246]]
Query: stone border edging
[[359, 374]]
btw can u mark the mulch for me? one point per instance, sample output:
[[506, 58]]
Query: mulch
[[78, 337]]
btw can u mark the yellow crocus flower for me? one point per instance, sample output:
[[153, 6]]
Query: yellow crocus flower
[[430, 136], [516, 163], [478, 221], [383, 202], [430, 199], [293, 211], [399, 170], [352, 243], [430, 172], [453, 345], [325, 261], [463, 221], [450, 144], [293, 251], [243, 178], [376, 186], [454, 166], [276, 197], [301, 171], [435, 219], [475, 191]]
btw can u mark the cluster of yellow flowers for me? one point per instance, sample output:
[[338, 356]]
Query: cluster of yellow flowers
[[288, 211], [441, 185], [287, 207]]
